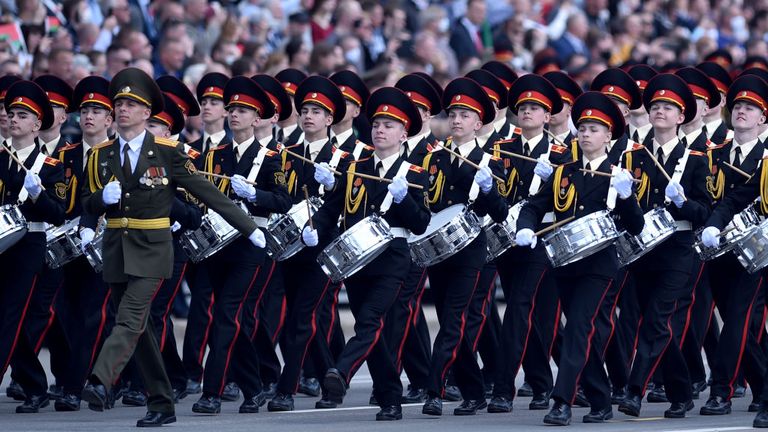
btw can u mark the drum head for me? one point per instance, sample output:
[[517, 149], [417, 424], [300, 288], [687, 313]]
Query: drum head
[[439, 220], [11, 237]]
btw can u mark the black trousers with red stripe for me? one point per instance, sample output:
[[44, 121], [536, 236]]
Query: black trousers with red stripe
[[606, 319], [20, 266], [735, 292], [371, 292], [702, 311], [621, 345], [453, 283], [521, 281], [306, 288], [546, 318], [581, 362], [233, 272], [271, 318], [404, 339], [198, 321], [488, 331]]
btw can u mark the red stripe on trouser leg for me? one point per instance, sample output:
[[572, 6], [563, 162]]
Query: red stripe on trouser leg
[[631, 355], [228, 358], [556, 328], [419, 297], [18, 328], [258, 300], [208, 326], [687, 324], [169, 307], [281, 321], [486, 302], [530, 324], [661, 354], [743, 344], [314, 330], [589, 339], [329, 336], [100, 332], [613, 313], [412, 313], [51, 317], [762, 326], [455, 351]]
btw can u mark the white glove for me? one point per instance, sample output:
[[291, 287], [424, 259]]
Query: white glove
[[112, 193], [242, 188], [86, 237], [675, 193], [484, 179], [324, 176], [623, 184], [398, 188], [310, 237], [543, 168], [175, 227], [710, 237], [33, 184], [525, 237], [257, 238]]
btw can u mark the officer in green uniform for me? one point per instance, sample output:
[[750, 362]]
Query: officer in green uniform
[[133, 180]]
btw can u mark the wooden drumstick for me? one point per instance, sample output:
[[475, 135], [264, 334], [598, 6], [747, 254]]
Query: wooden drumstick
[[309, 161], [737, 170], [309, 208], [658, 164], [13, 156], [382, 179], [221, 176], [554, 225], [472, 164], [527, 158], [554, 138], [604, 174]]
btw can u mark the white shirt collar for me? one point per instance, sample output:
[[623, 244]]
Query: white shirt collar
[[342, 137], [642, 131], [135, 143], [691, 137], [24, 153], [387, 163], [315, 147], [288, 130], [712, 127], [763, 136], [666, 148], [533, 142], [243, 146], [746, 148], [50, 146], [562, 137], [264, 142], [498, 125], [466, 148], [482, 140], [411, 143], [593, 164], [215, 137]]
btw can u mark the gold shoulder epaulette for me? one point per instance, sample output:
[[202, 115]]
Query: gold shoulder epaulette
[[698, 153], [52, 161], [557, 148], [166, 142], [102, 145], [416, 168], [69, 147]]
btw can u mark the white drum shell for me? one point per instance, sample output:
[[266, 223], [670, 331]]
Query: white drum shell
[[13, 226], [63, 244], [449, 231], [355, 248], [580, 238], [659, 226], [284, 230], [740, 226]]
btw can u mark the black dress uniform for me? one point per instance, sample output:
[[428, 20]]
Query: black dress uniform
[[306, 285], [355, 92], [290, 79], [583, 285], [717, 130], [663, 274], [736, 347], [23, 261], [137, 249], [505, 129], [641, 73], [525, 272], [374, 288], [454, 280]]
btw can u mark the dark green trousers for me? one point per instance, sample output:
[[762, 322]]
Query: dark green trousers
[[132, 336]]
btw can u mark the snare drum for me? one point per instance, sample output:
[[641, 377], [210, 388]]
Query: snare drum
[[355, 247], [659, 226], [63, 244], [284, 230], [501, 236], [580, 238], [449, 231], [92, 250], [740, 226], [13, 226], [213, 235], [752, 249]]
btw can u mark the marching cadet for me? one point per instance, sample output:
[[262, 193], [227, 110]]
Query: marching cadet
[[707, 98], [210, 96], [38, 191], [320, 104], [355, 97], [133, 180], [289, 131], [559, 123], [714, 124], [234, 269], [496, 91], [454, 280], [733, 288], [5, 82], [639, 123], [525, 272], [504, 127], [662, 275], [183, 98], [623, 90], [763, 135], [374, 288], [41, 318], [583, 284]]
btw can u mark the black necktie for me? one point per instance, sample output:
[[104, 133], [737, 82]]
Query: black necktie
[[379, 166], [207, 145], [280, 136], [127, 171], [704, 131], [737, 158], [526, 149], [636, 136], [660, 155]]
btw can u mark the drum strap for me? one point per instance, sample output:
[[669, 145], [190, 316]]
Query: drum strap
[[257, 162], [679, 169], [333, 163], [359, 147], [536, 181], [36, 167], [475, 189], [387, 203], [610, 200]]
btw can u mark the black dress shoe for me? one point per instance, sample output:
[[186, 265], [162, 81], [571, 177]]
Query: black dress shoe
[[452, 393], [414, 395], [309, 386], [179, 394], [231, 392], [55, 391], [118, 392], [500, 404], [389, 413], [716, 405], [755, 406], [15, 392], [761, 419], [270, 390], [657, 395], [281, 402], [539, 402], [678, 409], [739, 391], [251, 405], [618, 395], [135, 398], [68, 402], [156, 419], [33, 404], [631, 405], [470, 407], [194, 387], [207, 404], [97, 397], [559, 415], [598, 416], [698, 387], [581, 399], [335, 384], [488, 389], [525, 390], [326, 403], [433, 406]]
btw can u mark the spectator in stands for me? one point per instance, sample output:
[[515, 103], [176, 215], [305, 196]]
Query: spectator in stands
[[467, 39]]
